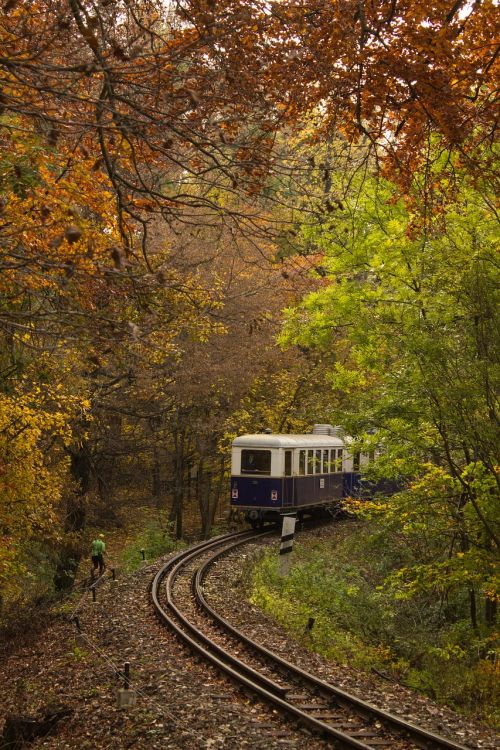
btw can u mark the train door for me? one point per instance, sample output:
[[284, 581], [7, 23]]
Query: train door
[[288, 479]]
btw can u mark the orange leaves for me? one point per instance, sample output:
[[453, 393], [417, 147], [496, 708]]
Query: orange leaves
[[56, 211], [144, 204], [156, 102], [388, 71]]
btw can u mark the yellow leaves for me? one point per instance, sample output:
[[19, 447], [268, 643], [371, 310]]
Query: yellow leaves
[[35, 425]]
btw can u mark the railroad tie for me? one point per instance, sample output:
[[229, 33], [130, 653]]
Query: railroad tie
[[296, 697], [313, 707], [324, 715]]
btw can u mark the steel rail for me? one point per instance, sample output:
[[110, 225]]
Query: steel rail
[[235, 667], [170, 572], [257, 682], [422, 737]]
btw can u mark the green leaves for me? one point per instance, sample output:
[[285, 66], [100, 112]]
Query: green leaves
[[411, 312]]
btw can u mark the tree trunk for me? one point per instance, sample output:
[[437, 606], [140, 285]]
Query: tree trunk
[[473, 609], [205, 504], [76, 514], [490, 612], [221, 484], [156, 475], [176, 513]]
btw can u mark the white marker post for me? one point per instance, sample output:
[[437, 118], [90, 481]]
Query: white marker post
[[126, 698], [286, 545]]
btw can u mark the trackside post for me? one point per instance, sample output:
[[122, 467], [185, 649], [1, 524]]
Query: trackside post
[[126, 697], [80, 636], [286, 545]]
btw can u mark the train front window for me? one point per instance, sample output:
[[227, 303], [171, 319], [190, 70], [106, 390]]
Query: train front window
[[255, 462]]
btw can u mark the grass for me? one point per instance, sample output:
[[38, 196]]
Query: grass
[[154, 538]]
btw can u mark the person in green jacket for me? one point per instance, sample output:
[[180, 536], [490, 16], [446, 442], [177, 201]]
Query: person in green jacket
[[98, 552]]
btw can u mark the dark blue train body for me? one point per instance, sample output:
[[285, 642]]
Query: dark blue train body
[[275, 474]]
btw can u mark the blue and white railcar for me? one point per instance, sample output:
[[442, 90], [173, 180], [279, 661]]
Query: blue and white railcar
[[273, 474]]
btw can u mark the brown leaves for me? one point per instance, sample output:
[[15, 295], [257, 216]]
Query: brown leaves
[[53, 135], [119, 52], [72, 234], [117, 256], [194, 97], [45, 211], [10, 5], [97, 164]]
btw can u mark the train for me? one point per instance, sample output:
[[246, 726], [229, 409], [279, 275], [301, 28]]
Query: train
[[274, 474]]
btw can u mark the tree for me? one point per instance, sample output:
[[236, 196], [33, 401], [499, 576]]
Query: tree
[[128, 90], [135, 136], [392, 72], [412, 315], [34, 424]]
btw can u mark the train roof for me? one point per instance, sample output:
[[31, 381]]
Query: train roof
[[264, 440]]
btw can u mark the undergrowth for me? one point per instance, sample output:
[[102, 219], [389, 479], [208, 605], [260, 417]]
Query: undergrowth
[[154, 538], [425, 643]]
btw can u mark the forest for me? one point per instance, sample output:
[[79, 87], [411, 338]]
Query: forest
[[219, 216]]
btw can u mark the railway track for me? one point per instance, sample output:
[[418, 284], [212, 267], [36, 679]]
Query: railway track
[[346, 721]]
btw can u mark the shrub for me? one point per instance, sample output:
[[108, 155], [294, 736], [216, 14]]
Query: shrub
[[425, 642], [154, 538]]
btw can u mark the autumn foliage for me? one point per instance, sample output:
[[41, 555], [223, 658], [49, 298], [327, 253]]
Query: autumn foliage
[[172, 175]]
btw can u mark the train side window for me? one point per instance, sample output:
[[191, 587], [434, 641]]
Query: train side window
[[325, 469], [310, 462], [255, 462], [340, 457], [288, 463], [356, 461], [302, 463], [317, 462]]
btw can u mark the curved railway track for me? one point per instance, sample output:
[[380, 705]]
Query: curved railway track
[[343, 719]]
